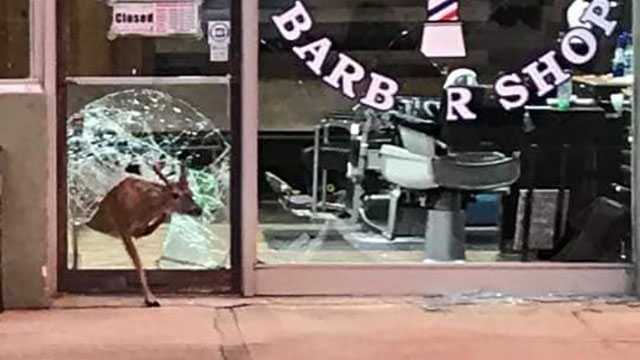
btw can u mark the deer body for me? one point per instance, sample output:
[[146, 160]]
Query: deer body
[[135, 208], [132, 205]]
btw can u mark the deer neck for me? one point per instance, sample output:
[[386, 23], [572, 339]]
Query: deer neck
[[159, 204], [155, 203]]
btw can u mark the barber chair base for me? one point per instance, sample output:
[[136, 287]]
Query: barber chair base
[[445, 235], [407, 222]]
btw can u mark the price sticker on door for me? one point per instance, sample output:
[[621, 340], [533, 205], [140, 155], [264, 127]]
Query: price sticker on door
[[219, 34]]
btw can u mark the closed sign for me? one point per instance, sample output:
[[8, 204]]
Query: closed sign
[[156, 19], [133, 19]]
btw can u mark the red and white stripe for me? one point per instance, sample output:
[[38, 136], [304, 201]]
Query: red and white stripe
[[442, 10]]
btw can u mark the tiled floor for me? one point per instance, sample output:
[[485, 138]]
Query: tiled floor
[[99, 251]]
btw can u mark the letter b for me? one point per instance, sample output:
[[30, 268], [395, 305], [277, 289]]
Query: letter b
[[381, 93], [292, 23]]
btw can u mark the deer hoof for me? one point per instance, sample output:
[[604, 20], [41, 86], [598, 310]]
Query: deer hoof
[[152, 303]]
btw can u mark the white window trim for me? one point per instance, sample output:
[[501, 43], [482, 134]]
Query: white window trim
[[44, 70], [35, 82]]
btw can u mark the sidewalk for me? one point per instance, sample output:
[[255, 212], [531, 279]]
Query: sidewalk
[[320, 328]]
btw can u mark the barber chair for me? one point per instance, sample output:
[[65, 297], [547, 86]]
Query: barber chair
[[425, 185], [331, 194], [447, 177]]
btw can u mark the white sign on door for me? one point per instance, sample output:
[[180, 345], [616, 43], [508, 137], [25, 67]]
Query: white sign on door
[[219, 34], [155, 19]]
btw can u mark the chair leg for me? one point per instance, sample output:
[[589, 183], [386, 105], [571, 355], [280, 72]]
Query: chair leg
[[394, 197]]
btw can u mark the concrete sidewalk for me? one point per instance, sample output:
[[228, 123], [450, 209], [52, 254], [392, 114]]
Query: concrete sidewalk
[[320, 328]]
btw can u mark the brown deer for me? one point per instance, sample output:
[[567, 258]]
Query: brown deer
[[135, 208]]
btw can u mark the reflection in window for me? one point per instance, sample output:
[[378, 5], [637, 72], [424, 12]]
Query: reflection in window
[[545, 182]]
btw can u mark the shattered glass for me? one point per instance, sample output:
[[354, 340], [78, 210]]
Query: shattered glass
[[440, 303], [334, 241], [123, 135]]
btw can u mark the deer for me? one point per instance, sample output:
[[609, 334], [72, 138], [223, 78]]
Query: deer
[[135, 208]]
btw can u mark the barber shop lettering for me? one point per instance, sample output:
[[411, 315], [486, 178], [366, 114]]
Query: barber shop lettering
[[346, 73], [545, 72]]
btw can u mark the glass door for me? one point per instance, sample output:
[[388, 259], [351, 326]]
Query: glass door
[[146, 144]]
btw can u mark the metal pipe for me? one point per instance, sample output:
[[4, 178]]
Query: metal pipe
[[245, 43], [392, 213], [325, 141], [316, 159], [148, 80], [635, 158]]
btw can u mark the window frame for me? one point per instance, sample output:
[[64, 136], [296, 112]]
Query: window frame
[[41, 82], [223, 281], [513, 278]]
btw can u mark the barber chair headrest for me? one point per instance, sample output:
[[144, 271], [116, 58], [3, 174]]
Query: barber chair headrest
[[461, 77]]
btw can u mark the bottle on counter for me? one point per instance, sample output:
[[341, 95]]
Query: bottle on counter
[[628, 54], [617, 68], [565, 91]]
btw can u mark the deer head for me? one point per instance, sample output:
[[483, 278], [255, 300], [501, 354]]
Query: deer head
[[180, 195]]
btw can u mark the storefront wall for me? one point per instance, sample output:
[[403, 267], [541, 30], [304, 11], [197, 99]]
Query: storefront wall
[[24, 199], [29, 242], [28, 167]]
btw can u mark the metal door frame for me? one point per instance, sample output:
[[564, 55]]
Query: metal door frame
[[83, 281]]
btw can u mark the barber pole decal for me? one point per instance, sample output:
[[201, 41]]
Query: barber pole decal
[[442, 10], [442, 35]]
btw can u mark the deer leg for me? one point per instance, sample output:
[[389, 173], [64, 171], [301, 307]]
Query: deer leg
[[149, 299]]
